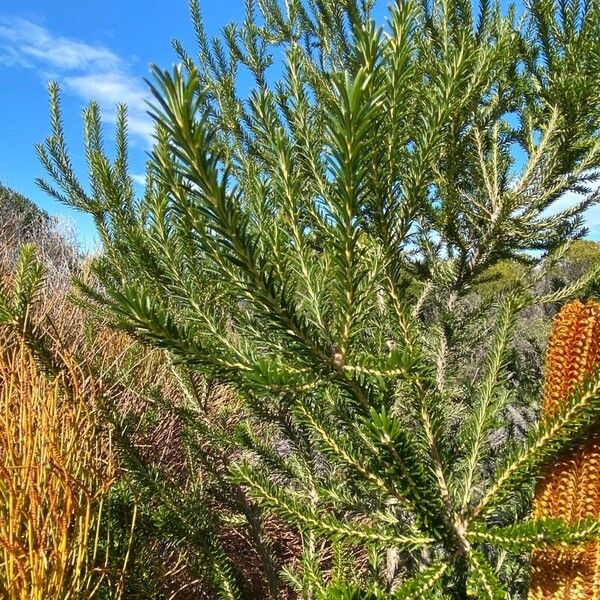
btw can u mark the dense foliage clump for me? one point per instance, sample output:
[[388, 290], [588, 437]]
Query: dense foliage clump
[[309, 259]]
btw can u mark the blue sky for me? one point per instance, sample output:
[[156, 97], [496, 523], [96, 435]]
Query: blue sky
[[95, 50]]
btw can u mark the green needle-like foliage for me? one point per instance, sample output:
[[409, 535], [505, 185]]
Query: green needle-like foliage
[[314, 246]]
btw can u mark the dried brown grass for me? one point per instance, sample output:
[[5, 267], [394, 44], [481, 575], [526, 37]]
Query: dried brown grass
[[54, 472], [121, 372]]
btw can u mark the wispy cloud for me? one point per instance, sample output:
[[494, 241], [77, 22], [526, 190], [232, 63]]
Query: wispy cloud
[[34, 43], [88, 71], [113, 87], [139, 178]]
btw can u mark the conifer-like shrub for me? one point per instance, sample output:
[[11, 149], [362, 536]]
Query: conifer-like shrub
[[311, 249]]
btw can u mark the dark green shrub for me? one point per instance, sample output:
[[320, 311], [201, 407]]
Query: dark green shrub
[[313, 250]]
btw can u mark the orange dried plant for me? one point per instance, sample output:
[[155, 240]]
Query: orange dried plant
[[570, 489], [54, 472]]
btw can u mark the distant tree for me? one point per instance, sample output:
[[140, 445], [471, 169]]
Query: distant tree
[[21, 222], [19, 214], [313, 249], [501, 277], [582, 257]]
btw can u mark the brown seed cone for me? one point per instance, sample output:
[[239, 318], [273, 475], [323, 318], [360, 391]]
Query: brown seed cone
[[570, 489]]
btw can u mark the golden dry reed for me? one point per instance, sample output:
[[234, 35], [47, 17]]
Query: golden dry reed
[[54, 472], [570, 489]]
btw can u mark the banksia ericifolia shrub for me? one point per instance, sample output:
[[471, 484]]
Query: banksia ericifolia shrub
[[570, 489], [313, 248]]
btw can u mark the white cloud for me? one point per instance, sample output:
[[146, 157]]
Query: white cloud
[[90, 72], [111, 88], [139, 178], [105, 87], [60, 52]]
